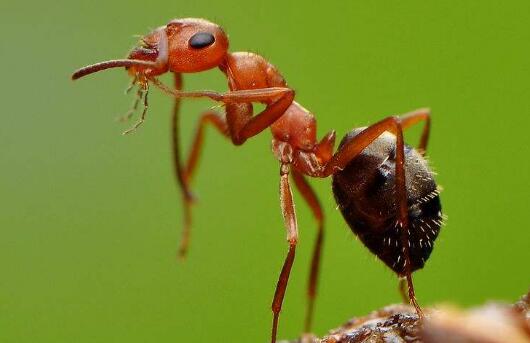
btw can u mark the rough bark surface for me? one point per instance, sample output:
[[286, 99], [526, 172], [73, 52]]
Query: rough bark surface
[[491, 323]]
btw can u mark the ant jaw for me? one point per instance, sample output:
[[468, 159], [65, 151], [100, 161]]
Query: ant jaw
[[126, 63]]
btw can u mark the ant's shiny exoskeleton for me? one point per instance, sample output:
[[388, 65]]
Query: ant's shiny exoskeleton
[[384, 188]]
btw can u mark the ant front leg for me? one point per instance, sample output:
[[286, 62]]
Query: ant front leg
[[239, 111], [310, 197], [353, 148], [187, 197], [242, 124], [289, 217]]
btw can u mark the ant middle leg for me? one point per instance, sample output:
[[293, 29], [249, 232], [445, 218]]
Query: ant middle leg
[[240, 123], [353, 148], [208, 117], [310, 197]]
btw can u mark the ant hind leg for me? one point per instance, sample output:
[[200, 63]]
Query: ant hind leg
[[403, 290], [354, 147], [417, 116]]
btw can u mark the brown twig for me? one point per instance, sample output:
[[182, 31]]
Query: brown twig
[[491, 323]]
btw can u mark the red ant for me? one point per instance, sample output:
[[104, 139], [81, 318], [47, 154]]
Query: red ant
[[383, 187]]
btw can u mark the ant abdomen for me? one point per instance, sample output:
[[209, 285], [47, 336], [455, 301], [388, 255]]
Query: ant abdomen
[[365, 193]]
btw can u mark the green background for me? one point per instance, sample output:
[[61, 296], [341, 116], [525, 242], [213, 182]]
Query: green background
[[90, 219]]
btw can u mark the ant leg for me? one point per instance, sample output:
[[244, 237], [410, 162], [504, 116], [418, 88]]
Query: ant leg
[[407, 120], [144, 112], [187, 197], [128, 115], [183, 174], [310, 197], [403, 290], [353, 148], [267, 117], [189, 169], [289, 217], [208, 117], [241, 123], [414, 117]]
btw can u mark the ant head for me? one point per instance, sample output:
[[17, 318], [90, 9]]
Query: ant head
[[195, 45], [182, 46]]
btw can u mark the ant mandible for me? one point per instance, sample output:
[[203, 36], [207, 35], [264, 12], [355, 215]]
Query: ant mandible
[[384, 188]]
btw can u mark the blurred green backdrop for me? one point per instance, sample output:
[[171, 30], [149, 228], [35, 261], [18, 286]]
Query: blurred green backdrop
[[90, 219]]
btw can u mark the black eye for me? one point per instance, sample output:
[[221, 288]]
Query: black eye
[[201, 40]]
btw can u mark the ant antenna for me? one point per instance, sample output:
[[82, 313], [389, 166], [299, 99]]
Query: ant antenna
[[94, 68]]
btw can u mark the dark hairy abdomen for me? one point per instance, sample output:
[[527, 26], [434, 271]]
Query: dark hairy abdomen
[[365, 193]]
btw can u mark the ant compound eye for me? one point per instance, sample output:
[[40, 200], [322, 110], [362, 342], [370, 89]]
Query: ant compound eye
[[201, 40]]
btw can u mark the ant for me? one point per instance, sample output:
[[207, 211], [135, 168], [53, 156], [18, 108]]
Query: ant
[[384, 188]]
